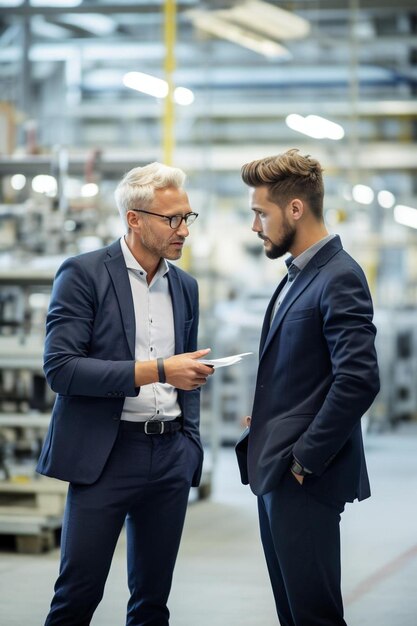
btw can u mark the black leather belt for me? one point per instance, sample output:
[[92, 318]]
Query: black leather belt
[[152, 427]]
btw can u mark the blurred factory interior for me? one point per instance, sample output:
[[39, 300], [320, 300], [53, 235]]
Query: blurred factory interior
[[92, 88]]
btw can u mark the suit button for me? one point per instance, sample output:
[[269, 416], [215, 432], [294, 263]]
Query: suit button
[[115, 416]]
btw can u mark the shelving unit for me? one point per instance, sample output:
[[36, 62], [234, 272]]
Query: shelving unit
[[31, 508], [32, 512], [28, 420]]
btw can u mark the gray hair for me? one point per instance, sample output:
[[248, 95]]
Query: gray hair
[[136, 189]]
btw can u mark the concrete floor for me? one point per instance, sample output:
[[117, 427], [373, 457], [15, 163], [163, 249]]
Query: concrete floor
[[221, 577]]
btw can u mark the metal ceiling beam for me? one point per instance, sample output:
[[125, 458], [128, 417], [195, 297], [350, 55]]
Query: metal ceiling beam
[[390, 156], [280, 108], [365, 5], [241, 110], [193, 54], [154, 6], [144, 6]]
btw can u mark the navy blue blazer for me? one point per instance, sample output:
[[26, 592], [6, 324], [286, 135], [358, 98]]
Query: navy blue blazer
[[317, 376], [90, 357]]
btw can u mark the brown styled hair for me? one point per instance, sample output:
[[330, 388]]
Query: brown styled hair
[[289, 175]]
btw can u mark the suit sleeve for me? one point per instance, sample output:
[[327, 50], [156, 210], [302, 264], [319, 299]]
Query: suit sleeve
[[69, 327], [192, 424], [348, 330]]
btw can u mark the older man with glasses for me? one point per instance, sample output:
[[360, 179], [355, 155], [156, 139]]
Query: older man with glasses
[[121, 354]]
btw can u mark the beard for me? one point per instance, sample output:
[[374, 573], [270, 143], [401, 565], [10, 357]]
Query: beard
[[277, 250], [161, 247]]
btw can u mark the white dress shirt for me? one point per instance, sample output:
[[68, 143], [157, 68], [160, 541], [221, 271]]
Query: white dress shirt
[[154, 338]]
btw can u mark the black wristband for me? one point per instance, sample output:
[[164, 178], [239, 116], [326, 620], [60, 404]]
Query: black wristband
[[161, 370]]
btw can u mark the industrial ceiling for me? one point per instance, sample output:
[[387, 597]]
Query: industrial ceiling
[[354, 65]]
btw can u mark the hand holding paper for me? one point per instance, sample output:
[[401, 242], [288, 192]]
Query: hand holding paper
[[225, 361]]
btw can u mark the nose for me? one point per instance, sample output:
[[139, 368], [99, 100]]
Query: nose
[[182, 229], [256, 224]]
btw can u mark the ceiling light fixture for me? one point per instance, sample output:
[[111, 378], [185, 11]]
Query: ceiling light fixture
[[183, 96], [386, 199], [89, 190], [255, 25], [157, 87], [315, 126], [18, 181], [10, 4], [146, 83], [43, 183], [363, 194], [405, 215], [41, 28], [268, 20], [95, 23], [55, 3], [215, 23]]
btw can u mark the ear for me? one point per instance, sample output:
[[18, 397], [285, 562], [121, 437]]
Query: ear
[[133, 219], [297, 209]]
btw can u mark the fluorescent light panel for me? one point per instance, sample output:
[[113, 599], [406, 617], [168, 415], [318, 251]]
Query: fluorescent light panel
[[42, 28], [43, 183], [215, 25], [386, 199], [18, 181], [99, 25], [89, 190], [157, 87], [146, 84], [363, 194], [183, 96], [315, 126], [405, 215], [268, 20], [55, 3]]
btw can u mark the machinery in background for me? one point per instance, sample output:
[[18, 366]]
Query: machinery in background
[[30, 510], [237, 328], [25, 399], [396, 345]]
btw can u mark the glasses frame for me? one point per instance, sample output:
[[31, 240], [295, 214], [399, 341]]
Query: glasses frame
[[184, 218]]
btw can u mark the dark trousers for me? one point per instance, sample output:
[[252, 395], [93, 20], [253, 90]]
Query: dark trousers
[[146, 482], [301, 541]]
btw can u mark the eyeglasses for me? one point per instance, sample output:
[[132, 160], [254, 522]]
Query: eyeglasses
[[175, 221]]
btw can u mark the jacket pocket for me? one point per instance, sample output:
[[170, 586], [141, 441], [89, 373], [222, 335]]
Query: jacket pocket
[[300, 314]]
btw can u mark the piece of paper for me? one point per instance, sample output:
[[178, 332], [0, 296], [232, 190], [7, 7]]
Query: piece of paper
[[225, 361]]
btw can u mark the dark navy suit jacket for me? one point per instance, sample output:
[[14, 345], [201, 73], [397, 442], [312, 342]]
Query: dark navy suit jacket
[[317, 376], [90, 357]]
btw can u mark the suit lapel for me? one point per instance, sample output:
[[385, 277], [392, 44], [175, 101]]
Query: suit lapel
[[267, 318], [303, 280], [116, 267], [177, 299]]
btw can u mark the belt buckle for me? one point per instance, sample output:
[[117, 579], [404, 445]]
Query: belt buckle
[[152, 430]]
